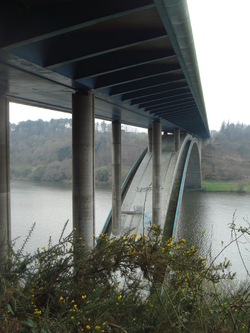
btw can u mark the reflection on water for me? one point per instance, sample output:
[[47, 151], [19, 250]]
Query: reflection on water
[[210, 214]]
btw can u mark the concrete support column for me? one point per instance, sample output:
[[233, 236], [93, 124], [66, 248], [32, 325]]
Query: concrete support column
[[83, 130], [156, 178], [177, 137], [116, 178], [150, 140], [5, 224]]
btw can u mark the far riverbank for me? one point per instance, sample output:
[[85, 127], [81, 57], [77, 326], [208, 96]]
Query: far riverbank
[[226, 186]]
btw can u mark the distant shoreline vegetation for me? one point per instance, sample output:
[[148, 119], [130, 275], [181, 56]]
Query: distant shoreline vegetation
[[42, 151], [226, 186], [226, 160]]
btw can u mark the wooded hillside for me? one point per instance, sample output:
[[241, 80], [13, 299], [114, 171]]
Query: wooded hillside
[[41, 150], [227, 155]]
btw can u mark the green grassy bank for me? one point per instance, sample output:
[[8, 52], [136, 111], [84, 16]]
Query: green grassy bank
[[225, 186]]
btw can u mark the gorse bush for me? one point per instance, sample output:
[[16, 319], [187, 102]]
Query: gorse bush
[[127, 284]]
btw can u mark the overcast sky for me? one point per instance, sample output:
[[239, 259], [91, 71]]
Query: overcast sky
[[221, 31]]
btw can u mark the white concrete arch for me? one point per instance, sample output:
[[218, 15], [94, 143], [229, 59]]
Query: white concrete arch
[[191, 175], [187, 174]]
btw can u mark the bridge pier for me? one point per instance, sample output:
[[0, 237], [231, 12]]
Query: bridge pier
[[5, 222], [150, 140], [83, 129], [116, 178], [156, 173], [177, 137]]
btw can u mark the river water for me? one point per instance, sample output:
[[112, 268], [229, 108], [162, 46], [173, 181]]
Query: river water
[[207, 214]]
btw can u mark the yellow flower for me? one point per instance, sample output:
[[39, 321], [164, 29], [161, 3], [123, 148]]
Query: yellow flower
[[72, 317], [88, 327], [134, 235], [74, 229], [84, 296], [37, 312], [61, 298]]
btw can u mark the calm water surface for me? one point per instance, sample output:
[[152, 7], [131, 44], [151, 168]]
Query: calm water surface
[[50, 206], [210, 214]]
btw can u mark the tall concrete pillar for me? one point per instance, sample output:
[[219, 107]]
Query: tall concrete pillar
[[83, 130], [5, 224], [156, 178], [150, 140], [177, 137], [116, 178]]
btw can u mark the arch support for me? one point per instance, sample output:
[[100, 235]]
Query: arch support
[[177, 139], [5, 222], [116, 178], [83, 129], [150, 140], [156, 178]]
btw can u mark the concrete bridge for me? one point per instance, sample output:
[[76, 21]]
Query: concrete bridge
[[130, 62]]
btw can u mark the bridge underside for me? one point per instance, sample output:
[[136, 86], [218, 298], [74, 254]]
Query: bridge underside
[[137, 57]]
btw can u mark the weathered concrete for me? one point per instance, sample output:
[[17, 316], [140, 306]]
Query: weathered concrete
[[5, 223], [150, 140], [177, 138], [116, 178], [83, 129], [156, 173]]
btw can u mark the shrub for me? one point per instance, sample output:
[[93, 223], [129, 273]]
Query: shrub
[[126, 284]]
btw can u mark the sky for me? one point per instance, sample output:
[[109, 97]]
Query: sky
[[220, 30]]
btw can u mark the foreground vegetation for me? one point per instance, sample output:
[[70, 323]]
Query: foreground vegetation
[[127, 284]]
